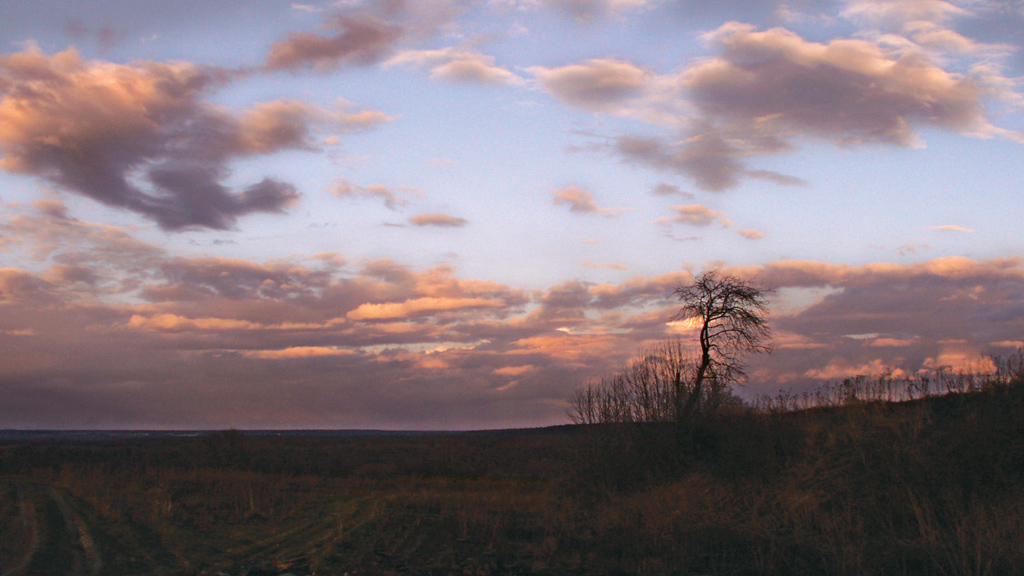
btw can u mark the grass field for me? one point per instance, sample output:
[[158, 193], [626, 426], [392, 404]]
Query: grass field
[[929, 486]]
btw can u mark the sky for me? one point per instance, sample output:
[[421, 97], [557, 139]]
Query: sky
[[448, 214]]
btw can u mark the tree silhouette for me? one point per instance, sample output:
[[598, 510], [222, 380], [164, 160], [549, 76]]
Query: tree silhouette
[[732, 316]]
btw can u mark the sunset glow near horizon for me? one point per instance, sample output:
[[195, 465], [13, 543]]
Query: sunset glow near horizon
[[447, 214]]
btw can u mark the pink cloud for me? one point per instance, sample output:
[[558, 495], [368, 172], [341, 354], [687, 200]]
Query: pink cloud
[[600, 85], [442, 220], [581, 201]]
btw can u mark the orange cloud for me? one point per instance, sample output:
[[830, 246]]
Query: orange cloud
[[891, 343], [174, 322], [297, 352], [442, 220], [695, 215], [581, 201], [419, 307], [514, 370], [569, 347], [839, 369]]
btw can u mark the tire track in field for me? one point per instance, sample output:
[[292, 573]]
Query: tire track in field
[[60, 542], [27, 514], [78, 531]]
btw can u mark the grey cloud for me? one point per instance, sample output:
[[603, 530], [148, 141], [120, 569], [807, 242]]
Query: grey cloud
[[709, 159], [365, 35], [105, 35], [358, 40], [243, 279], [764, 90], [714, 13], [153, 126], [780, 179], [767, 87], [587, 10], [669, 190], [848, 91]]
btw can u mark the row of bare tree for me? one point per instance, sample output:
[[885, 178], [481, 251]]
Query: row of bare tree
[[650, 389]]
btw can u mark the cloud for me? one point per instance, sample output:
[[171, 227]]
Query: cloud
[[175, 323], [591, 9], [18, 285], [765, 90], [241, 279], [891, 342], [343, 188], [640, 290], [294, 352], [710, 159], [609, 265], [751, 234], [896, 12], [951, 228], [106, 36], [850, 91], [441, 162], [305, 7], [140, 137], [1009, 344], [358, 40], [581, 202], [694, 215], [514, 370], [454, 65], [960, 358], [669, 190], [51, 207], [945, 41], [839, 369], [442, 220], [363, 34], [583, 10], [419, 307], [599, 85], [767, 86]]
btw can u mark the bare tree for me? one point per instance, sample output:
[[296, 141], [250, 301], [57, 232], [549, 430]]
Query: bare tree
[[732, 317], [646, 389]]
